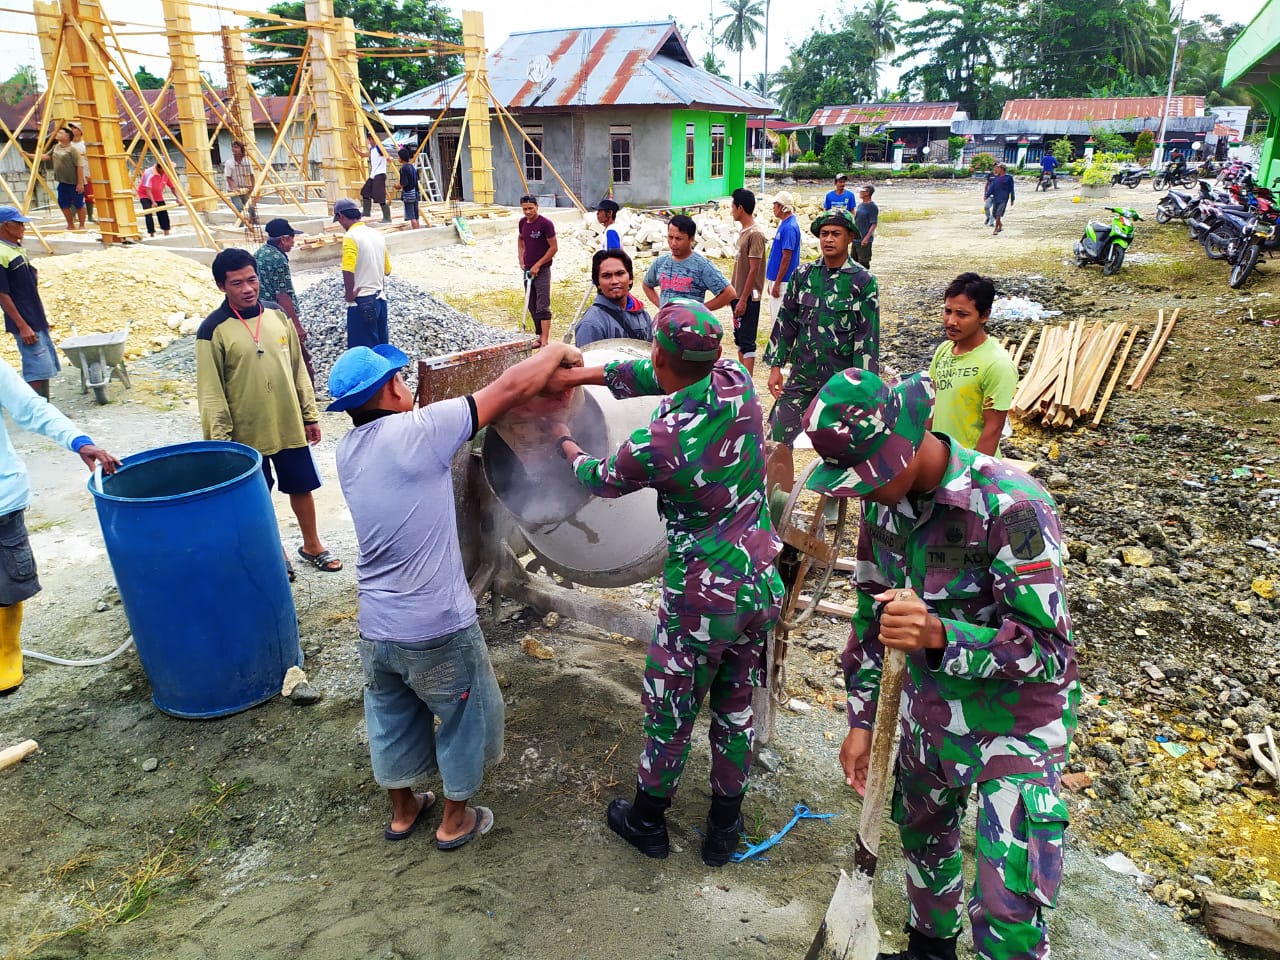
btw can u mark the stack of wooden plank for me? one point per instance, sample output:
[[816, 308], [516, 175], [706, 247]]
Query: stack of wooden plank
[[1070, 364]]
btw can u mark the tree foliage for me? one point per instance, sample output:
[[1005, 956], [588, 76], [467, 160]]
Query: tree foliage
[[146, 80], [22, 84], [741, 22], [384, 78], [827, 68]]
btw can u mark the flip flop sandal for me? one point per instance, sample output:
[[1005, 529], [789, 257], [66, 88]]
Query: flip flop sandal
[[324, 560], [484, 823], [288, 568], [428, 801]]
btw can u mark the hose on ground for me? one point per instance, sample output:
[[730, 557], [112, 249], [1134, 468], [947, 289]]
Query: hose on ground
[[96, 661]]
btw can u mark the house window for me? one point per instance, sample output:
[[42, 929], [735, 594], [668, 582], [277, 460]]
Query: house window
[[532, 161], [688, 153], [620, 151], [717, 149]]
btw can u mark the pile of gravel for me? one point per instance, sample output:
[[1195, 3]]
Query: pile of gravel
[[420, 324]]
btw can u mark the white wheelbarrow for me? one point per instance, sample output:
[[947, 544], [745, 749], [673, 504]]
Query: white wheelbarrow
[[99, 358]]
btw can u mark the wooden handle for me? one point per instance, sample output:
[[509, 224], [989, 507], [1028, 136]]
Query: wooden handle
[[882, 739], [17, 753]]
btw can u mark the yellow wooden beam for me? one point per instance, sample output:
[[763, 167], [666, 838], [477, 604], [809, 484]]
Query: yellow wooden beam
[[477, 116], [193, 124]]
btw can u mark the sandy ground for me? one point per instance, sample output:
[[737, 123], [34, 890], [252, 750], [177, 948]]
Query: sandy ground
[[259, 835]]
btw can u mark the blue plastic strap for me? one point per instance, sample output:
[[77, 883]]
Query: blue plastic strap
[[801, 813]]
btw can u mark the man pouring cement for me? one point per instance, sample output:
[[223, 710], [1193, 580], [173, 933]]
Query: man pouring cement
[[959, 564], [704, 455], [424, 656], [829, 321]]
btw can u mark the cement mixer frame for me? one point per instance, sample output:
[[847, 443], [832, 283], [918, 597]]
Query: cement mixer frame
[[493, 545]]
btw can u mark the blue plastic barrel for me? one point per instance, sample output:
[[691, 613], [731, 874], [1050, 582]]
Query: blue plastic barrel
[[193, 542]]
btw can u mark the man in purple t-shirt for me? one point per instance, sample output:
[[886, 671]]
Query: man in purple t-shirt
[[537, 247]]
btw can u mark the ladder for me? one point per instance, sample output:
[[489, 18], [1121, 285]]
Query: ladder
[[427, 178]]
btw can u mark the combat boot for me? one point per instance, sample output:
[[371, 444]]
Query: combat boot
[[724, 830], [920, 947], [642, 823]]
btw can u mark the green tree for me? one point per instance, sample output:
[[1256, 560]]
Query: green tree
[[837, 154], [961, 40], [384, 77], [21, 85], [713, 65], [1145, 144], [147, 80], [880, 21], [827, 68], [741, 24], [1062, 149]]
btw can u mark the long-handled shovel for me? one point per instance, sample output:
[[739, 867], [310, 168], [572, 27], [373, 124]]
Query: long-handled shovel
[[849, 930], [524, 313]]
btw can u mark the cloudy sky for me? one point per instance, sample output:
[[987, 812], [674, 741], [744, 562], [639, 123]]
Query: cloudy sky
[[788, 26]]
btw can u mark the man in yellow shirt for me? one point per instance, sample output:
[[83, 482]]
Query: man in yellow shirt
[[974, 376]]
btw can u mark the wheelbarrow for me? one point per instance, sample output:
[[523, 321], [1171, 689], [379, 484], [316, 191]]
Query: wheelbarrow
[[99, 358]]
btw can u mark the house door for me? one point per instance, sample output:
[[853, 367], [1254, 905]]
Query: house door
[[448, 144]]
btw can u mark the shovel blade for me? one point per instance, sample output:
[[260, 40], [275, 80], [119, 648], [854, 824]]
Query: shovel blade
[[849, 931]]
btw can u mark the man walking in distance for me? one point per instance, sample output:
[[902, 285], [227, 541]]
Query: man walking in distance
[[829, 321], [365, 264], [839, 197], [784, 253], [536, 247], [748, 277], [704, 455], [606, 214], [684, 274], [239, 174], [375, 188], [24, 315], [1000, 191], [275, 280], [959, 565], [252, 387], [18, 580], [865, 218], [423, 654], [615, 314]]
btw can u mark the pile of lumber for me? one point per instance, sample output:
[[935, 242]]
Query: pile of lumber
[[1063, 383]]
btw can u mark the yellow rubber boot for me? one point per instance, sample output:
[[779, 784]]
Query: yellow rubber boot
[[10, 648]]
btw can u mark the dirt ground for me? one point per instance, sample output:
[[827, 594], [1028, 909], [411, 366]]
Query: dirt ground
[[132, 834]]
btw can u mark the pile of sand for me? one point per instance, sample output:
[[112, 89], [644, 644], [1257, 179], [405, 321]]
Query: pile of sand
[[161, 294]]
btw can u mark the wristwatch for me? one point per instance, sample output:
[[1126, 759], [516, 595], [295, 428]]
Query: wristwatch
[[560, 445]]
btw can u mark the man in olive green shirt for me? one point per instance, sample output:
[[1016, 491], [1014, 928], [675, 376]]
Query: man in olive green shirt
[[253, 388]]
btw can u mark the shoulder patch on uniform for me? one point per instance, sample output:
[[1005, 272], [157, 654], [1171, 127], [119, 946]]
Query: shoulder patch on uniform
[[1026, 538]]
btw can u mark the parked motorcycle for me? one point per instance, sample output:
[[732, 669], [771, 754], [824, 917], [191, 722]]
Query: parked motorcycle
[[1130, 175], [1234, 171], [1244, 255], [1106, 243], [1231, 226], [1174, 175], [1176, 205]]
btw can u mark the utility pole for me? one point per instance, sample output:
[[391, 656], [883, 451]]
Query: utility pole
[[764, 123], [1168, 99]]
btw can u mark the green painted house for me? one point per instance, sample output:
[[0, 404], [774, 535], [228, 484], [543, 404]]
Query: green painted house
[[621, 109], [1254, 58]]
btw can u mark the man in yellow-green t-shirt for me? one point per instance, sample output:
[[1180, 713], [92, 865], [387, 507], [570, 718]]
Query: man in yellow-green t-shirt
[[974, 376]]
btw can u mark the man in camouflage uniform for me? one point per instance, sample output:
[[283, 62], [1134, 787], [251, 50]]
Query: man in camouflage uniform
[[829, 321], [704, 454], [959, 563]]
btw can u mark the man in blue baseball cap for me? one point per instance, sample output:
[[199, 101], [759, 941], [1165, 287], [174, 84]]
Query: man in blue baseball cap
[[23, 310], [423, 654]]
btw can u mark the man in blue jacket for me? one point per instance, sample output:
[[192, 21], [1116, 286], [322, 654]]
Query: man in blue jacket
[[615, 314], [1000, 192], [1049, 165]]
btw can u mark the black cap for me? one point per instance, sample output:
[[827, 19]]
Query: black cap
[[346, 207], [610, 205], [280, 227]]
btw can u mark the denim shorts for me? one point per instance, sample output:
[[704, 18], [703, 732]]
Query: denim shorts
[[295, 467], [69, 197], [408, 687], [39, 359]]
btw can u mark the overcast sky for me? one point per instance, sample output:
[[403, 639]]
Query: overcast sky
[[788, 26]]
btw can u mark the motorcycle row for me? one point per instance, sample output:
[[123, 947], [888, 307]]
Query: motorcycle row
[[1234, 218]]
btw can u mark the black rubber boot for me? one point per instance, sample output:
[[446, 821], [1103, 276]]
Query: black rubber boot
[[920, 947], [724, 830], [366, 206], [386, 212], [642, 823]]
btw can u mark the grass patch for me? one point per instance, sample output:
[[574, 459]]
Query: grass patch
[[169, 863], [1163, 273], [45, 524], [504, 308], [903, 216]]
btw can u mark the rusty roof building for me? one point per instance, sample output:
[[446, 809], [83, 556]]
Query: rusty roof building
[[621, 109]]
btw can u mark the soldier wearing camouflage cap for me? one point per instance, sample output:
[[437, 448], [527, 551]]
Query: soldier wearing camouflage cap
[[704, 455], [829, 321], [959, 564]]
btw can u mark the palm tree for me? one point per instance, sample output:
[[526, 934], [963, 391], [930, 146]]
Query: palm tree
[[742, 22], [883, 24]]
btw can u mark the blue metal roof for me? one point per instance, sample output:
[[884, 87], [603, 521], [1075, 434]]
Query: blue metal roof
[[628, 65]]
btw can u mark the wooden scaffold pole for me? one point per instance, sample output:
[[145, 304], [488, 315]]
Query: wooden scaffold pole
[[193, 123]]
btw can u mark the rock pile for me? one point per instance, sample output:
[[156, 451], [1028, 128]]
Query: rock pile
[[645, 235], [420, 324], [163, 295]]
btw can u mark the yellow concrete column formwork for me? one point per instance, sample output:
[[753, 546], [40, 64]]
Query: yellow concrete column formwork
[[48, 26], [337, 125], [239, 93], [476, 79], [193, 122], [99, 116]]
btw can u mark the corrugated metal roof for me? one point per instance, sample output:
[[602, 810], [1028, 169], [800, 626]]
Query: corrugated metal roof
[[166, 109], [1101, 108], [914, 114], [1080, 128], [628, 65]]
